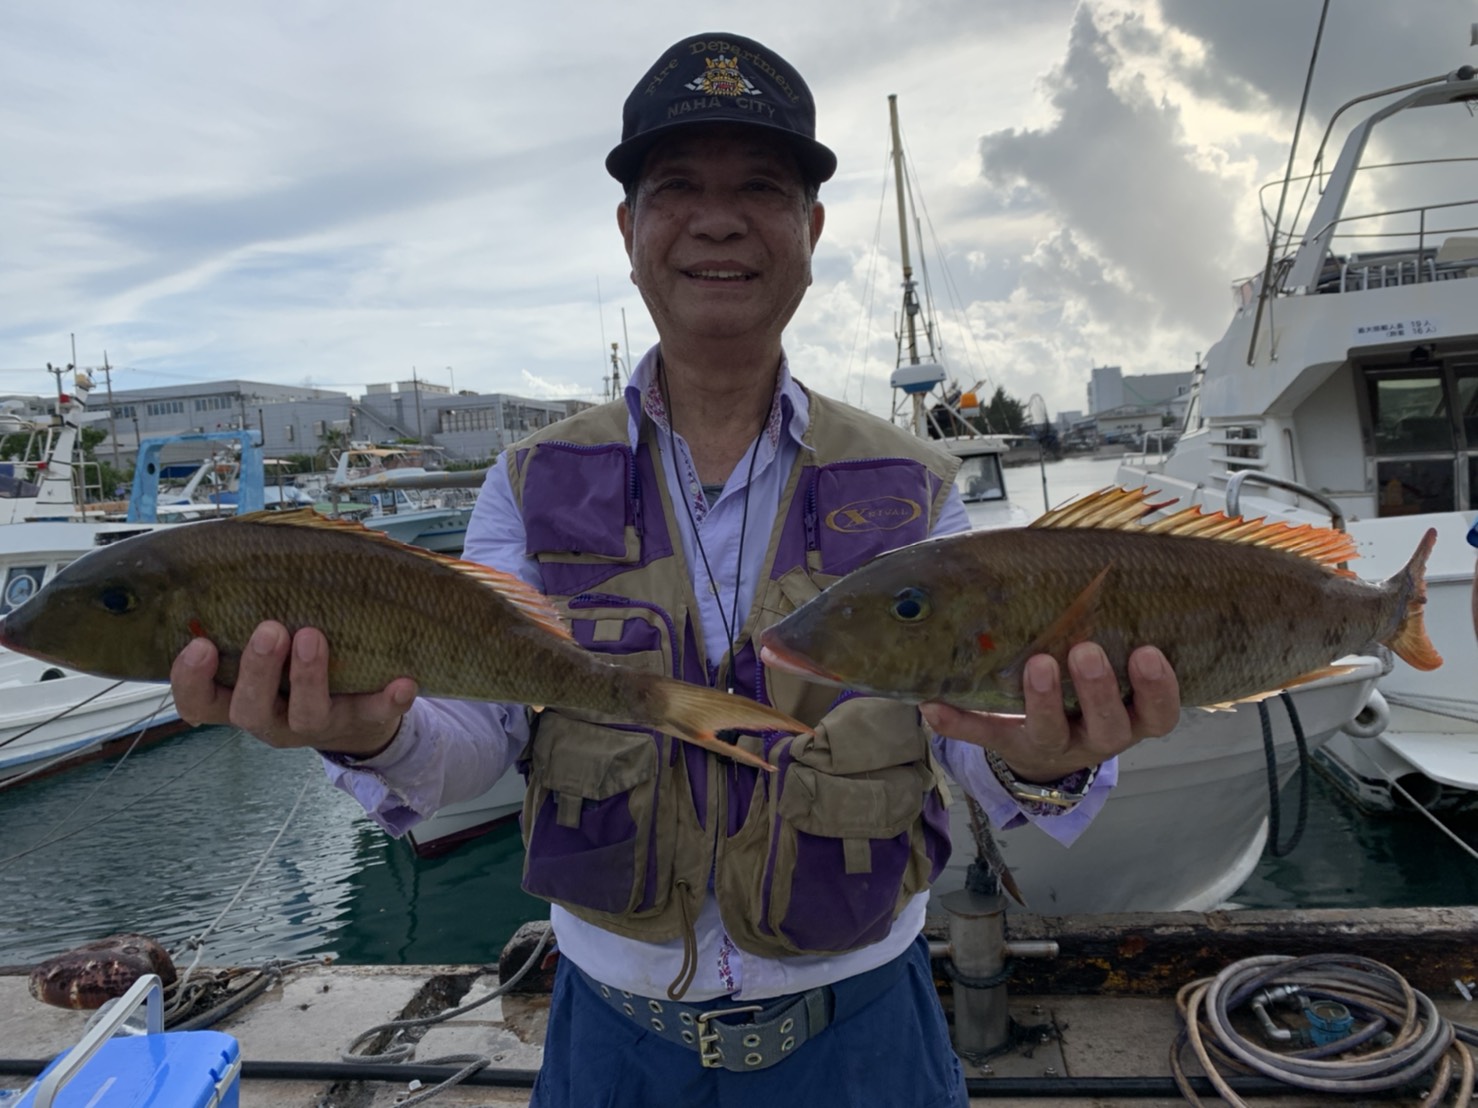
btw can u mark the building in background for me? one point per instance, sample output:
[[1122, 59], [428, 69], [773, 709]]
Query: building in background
[[298, 420], [1123, 408]]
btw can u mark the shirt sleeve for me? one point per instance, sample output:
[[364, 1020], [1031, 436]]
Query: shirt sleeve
[[449, 750], [965, 762]]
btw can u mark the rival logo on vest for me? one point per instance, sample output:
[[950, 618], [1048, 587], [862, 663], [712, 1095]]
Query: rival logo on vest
[[882, 513]]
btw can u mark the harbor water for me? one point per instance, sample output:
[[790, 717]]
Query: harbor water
[[173, 841]]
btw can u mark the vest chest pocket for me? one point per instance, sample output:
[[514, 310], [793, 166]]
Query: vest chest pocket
[[594, 817], [634, 635]]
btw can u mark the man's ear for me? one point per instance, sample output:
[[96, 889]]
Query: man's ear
[[818, 221], [624, 221]]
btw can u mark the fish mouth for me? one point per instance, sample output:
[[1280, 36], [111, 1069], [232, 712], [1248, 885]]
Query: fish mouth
[[776, 656]]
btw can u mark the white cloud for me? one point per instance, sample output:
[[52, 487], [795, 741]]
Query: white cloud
[[343, 191]]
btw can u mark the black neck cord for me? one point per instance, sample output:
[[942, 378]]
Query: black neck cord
[[731, 623]]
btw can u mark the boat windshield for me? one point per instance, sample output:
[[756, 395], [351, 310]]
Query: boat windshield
[[980, 478]]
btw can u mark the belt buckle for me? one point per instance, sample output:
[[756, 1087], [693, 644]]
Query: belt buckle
[[708, 1052]]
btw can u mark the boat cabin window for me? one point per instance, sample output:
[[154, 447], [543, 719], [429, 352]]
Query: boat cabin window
[[1424, 428], [13, 487], [21, 583], [980, 478]]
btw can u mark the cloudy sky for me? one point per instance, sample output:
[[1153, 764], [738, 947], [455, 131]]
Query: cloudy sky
[[338, 193]]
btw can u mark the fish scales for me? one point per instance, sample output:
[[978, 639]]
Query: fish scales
[[1231, 620], [1241, 608], [387, 610]]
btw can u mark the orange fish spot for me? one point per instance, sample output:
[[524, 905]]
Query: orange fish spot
[[197, 629], [985, 642]]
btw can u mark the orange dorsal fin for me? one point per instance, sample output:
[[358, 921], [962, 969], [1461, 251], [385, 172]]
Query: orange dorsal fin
[[528, 600], [1112, 508], [1119, 509]]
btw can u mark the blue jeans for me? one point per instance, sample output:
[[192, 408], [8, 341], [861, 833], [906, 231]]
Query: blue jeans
[[893, 1053]]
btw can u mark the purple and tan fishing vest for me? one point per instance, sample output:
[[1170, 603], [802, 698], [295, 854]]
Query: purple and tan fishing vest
[[626, 827]]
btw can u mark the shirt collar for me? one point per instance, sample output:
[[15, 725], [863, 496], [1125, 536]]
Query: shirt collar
[[790, 410]]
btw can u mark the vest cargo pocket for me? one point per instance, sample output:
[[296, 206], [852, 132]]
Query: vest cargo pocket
[[592, 818], [843, 855]]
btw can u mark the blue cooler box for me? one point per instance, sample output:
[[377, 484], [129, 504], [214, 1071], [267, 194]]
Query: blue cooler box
[[180, 1069]]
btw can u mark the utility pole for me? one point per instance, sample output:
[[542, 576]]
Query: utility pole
[[416, 383], [112, 420]]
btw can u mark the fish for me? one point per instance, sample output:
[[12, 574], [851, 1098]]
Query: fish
[[1241, 608], [388, 610]]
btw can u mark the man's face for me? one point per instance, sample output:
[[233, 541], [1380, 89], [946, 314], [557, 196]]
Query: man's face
[[721, 235]]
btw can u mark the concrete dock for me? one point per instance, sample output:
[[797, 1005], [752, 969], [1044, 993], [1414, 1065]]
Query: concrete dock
[[1103, 1008]]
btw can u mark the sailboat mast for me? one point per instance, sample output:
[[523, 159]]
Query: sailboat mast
[[910, 297], [916, 379]]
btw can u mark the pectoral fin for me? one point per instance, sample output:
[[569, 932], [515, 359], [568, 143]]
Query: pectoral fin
[[1074, 625]]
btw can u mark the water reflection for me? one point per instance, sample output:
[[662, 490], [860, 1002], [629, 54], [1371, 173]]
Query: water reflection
[[162, 843]]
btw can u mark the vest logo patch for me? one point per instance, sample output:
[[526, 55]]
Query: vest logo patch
[[882, 513]]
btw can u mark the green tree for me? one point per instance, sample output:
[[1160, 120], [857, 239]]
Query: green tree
[[334, 440], [1005, 415], [110, 476]]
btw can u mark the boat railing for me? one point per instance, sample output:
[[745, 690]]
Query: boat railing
[[1247, 476], [1163, 443], [1426, 254]]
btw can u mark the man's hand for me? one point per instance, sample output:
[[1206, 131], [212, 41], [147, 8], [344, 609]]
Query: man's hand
[[1044, 745], [361, 725]]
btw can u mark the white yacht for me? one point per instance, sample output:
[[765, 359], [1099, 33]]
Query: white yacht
[[1190, 817], [1346, 388]]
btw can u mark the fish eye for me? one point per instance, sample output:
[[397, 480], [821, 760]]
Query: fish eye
[[910, 605], [117, 600]]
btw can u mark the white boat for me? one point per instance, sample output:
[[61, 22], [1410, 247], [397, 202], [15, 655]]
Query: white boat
[[1346, 387], [50, 716], [455, 824], [390, 489], [1189, 819]]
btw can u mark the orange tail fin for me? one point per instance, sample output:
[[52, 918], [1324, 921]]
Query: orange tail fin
[[1410, 641], [696, 715]]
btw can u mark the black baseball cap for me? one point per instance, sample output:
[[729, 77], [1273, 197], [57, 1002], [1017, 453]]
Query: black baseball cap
[[719, 78]]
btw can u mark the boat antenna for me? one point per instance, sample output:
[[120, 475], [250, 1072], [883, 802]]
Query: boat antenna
[[1267, 274]]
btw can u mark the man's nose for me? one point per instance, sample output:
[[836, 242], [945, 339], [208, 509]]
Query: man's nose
[[717, 216]]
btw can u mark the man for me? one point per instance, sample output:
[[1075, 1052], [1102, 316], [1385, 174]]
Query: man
[[715, 923]]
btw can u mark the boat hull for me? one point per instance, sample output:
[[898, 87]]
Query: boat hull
[[466, 820], [38, 735], [1186, 824]]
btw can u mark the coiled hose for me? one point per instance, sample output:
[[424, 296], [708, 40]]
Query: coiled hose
[[1396, 1038]]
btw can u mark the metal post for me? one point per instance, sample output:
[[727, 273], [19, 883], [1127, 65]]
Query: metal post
[[112, 416], [977, 939]]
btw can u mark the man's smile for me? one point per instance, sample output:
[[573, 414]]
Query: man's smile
[[720, 274]]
